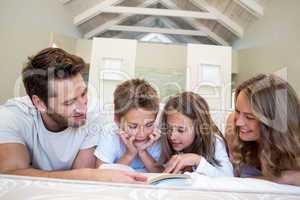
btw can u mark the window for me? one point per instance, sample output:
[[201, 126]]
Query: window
[[111, 69], [210, 74], [112, 63], [156, 37]]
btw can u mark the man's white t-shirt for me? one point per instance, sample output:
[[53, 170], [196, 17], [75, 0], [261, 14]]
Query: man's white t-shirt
[[110, 149], [20, 122]]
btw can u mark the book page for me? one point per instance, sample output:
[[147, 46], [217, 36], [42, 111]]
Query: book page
[[169, 179], [158, 179]]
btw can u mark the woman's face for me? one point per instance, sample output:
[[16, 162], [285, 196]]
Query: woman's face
[[249, 126], [180, 131]]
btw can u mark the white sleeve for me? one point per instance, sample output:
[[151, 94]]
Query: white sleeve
[[108, 147], [11, 126], [225, 168]]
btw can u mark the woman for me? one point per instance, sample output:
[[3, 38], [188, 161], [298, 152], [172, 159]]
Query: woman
[[267, 135]]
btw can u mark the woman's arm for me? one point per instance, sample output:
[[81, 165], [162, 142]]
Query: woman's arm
[[290, 177]]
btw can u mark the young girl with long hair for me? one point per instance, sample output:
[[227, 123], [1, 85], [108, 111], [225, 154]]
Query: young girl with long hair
[[190, 139]]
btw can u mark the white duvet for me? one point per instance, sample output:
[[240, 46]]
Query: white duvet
[[240, 185]]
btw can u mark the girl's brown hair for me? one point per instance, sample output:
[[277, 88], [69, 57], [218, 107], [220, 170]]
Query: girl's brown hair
[[275, 105], [196, 108]]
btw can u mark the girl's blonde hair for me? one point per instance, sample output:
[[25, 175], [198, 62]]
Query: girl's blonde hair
[[196, 108], [275, 105]]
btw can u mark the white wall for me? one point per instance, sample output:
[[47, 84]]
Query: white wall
[[103, 81], [25, 29], [155, 55], [84, 49], [163, 65], [272, 43], [67, 43]]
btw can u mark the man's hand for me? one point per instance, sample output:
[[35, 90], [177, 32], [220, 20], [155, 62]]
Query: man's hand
[[178, 162], [117, 176], [15, 159]]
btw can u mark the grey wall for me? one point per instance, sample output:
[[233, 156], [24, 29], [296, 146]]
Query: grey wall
[[25, 27], [272, 43]]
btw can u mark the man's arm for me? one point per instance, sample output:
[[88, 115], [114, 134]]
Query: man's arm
[[85, 159], [99, 163], [15, 160], [13, 157]]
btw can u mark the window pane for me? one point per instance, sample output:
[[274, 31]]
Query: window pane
[[112, 63], [210, 73]]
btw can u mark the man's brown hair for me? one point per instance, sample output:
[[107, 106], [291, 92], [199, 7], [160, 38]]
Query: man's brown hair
[[49, 64], [135, 93]]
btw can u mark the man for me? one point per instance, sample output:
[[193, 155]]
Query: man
[[47, 133]]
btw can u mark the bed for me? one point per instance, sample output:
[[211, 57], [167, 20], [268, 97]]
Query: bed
[[21, 187]]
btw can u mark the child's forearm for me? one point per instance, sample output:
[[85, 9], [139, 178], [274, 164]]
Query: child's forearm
[[150, 163], [126, 159]]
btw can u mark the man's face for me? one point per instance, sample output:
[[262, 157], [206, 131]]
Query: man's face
[[67, 105]]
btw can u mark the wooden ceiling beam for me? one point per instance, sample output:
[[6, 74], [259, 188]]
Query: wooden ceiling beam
[[196, 24], [100, 29], [65, 1], [251, 6], [221, 18], [156, 12], [170, 31], [94, 11]]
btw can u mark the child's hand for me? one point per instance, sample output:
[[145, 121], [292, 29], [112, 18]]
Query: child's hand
[[153, 137], [128, 142], [178, 162]]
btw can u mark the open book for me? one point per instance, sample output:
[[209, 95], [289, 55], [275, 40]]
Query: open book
[[168, 179], [162, 179]]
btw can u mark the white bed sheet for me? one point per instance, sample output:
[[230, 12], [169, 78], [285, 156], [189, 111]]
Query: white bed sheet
[[18, 187]]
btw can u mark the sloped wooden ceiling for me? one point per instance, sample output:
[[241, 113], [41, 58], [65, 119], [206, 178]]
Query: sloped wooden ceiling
[[195, 21]]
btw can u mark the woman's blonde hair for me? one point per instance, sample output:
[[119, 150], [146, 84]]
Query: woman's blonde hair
[[194, 107], [275, 105]]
